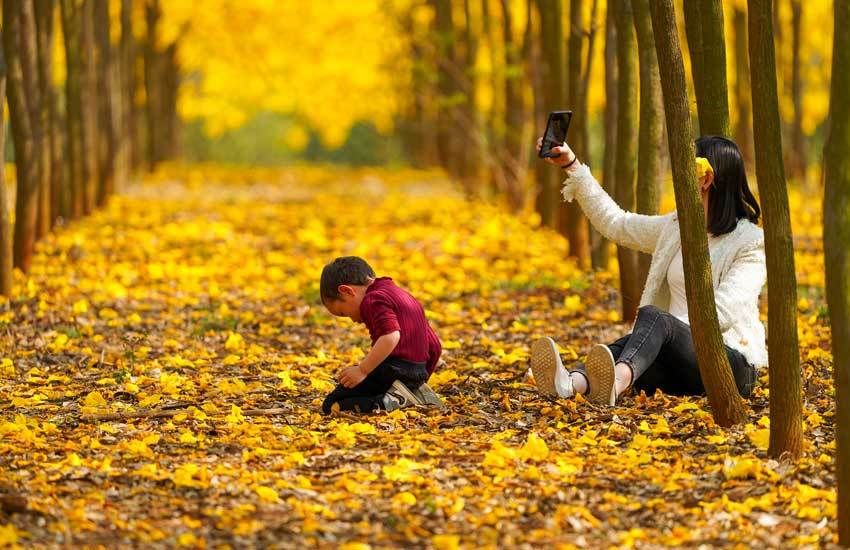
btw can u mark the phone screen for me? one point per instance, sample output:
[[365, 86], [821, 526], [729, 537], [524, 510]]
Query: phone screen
[[556, 132]]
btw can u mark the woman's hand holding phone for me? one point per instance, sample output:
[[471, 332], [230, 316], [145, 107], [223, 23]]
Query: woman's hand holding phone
[[565, 154]]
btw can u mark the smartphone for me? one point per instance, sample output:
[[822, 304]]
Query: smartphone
[[556, 132]]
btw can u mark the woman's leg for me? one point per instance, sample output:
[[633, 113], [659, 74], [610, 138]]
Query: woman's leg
[[578, 372]]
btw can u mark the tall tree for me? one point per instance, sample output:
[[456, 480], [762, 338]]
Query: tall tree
[[512, 159], [727, 406], [153, 98], [836, 235], [704, 30], [624, 172], [88, 86], [786, 406], [470, 117], [71, 30], [130, 136], [599, 245], [5, 222], [554, 94], [19, 47], [651, 131], [447, 86], [744, 122], [44, 11], [797, 158], [106, 135]]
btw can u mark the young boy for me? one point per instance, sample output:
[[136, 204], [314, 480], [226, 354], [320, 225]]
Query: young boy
[[405, 349]]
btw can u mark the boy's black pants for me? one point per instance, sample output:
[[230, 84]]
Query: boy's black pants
[[367, 396]]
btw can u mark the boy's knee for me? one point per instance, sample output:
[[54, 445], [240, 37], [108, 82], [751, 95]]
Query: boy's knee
[[649, 309], [328, 403]]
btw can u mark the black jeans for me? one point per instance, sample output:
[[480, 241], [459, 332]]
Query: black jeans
[[660, 351], [367, 396]]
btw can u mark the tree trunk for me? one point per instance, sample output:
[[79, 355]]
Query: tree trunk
[[797, 156], [495, 176], [130, 135], [704, 29], [727, 406], [5, 221], [554, 95], [624, 173], [651, 132], [600, 245], [106, 146], [574, 221], [73, 105], [88, 85], [836, 235], [470, 118], [19, 48], [513, 167], [153, 98], [44, 10], [744, 123], [786, 406]]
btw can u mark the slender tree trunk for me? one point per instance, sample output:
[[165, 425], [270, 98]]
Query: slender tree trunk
[[651, 132], [624, 173], [744, 124], [470, 118], [5, 219], [44, 10], [704, 29], [88, 85], [495, 176], [130, 135], [575, 223], [786, 406], [585, 79], [798, 155], [727, 406], [554, 95], [152, 83], [836, 235], [19, 49], [106, 146], [514, 115], [71, 18], [600, 245]]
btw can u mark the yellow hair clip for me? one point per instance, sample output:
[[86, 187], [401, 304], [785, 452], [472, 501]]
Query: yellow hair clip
[[703, 167]]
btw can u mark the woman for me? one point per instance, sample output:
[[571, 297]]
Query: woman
[[659, 352]]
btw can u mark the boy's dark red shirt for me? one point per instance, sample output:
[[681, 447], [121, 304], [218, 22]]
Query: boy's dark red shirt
[[387, 308]]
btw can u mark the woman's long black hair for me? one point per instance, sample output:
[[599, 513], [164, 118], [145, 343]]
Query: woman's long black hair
[[730, 198]]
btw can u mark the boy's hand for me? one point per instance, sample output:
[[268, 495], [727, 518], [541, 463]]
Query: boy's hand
[[351, 376]]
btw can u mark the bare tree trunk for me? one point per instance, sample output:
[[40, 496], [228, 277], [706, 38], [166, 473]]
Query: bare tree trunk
[[19, 47], [130, 135], [71, 19], [744, 124], [626, 148], [836, 235], [514, 115], [495, 176], [5, 219], [554, 94], [599, 245], [704, 29], [44, 10], [470, 118], [88, 85], [152, 84], [106, 146], [651, 132], [727, 406], [786, 406], [797, 156]]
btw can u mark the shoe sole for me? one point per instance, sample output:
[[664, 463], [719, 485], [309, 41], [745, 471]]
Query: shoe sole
[[544, 361], [427, 396], [600, 374], [399, 388]]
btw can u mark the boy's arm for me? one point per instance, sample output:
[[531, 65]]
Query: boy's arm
[[352, 375]]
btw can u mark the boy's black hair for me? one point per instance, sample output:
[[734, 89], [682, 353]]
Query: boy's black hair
[[730, 198], [345, 270]]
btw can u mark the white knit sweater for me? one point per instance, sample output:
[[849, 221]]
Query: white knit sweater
[[737, 261]]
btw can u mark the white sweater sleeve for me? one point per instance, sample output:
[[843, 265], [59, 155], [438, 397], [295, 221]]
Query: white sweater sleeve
[[741, 284], [636, 231]]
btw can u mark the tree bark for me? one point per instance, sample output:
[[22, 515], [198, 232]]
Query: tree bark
[[797, 156], [19, 48], [153, 97], [704, 29], [624, 173], [554, 94], [786, 406], [5, 221], [599, 244], [130, 135], [727, 406], [73, 106], [744, 123], [836, 235], [44, 10], [472, 158], [106, 142], [88, 86], [651, 131], [513, 167]]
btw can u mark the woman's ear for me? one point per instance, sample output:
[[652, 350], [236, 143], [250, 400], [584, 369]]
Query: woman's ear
[[706, 181]]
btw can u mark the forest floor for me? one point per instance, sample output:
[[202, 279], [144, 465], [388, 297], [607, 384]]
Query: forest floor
[[189, 307]]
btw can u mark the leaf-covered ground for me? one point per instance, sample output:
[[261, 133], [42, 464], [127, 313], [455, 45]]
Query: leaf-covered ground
[[196, 296]]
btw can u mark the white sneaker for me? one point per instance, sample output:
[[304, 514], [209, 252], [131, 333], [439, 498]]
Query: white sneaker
[[601, 376], [425, 395], [398, 396], [550, 376]]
